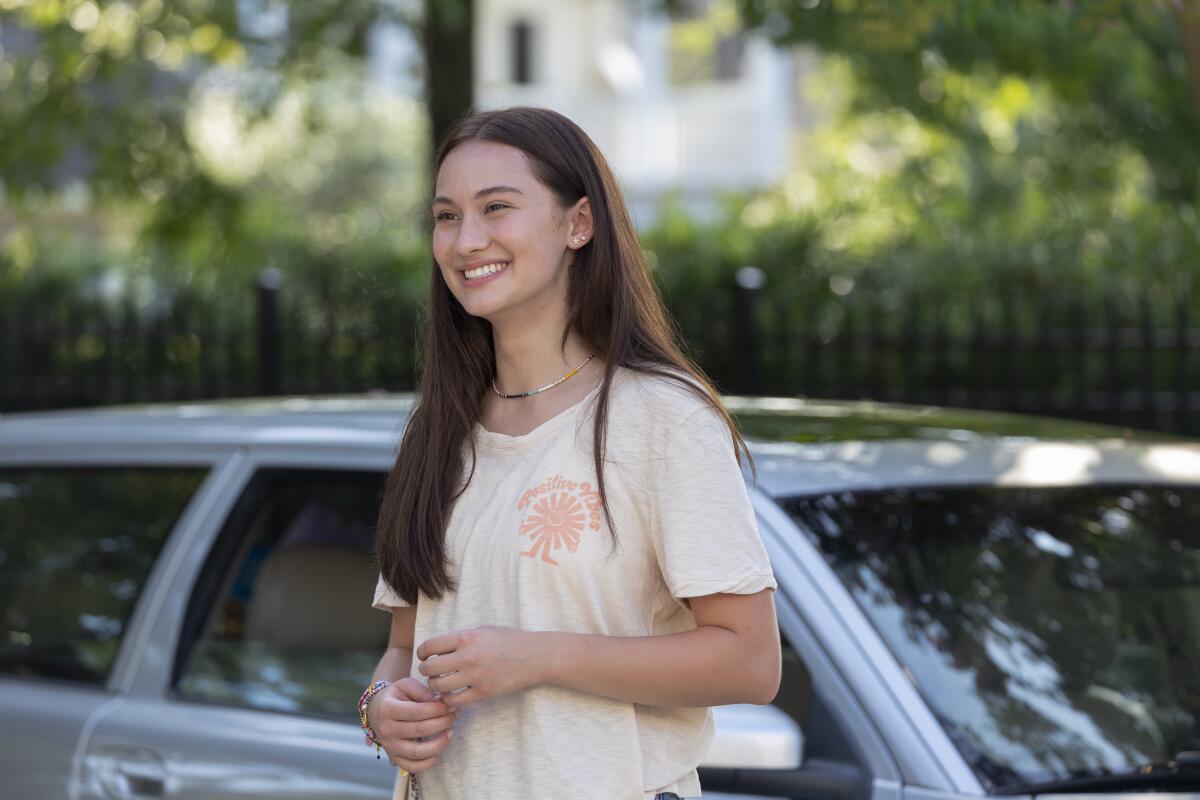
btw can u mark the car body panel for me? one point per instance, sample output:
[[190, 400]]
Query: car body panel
[[208, 751], [42, 722], [1124, 796], [923, 793]]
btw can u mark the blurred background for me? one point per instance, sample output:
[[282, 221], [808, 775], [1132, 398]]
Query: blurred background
[[980, 203]]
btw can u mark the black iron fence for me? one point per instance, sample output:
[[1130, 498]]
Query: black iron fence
[[1126, 360]]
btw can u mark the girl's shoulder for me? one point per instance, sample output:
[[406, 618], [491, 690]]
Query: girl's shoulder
[[654, 404]]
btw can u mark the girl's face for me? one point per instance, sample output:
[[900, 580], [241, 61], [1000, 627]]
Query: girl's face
[[500, 237]]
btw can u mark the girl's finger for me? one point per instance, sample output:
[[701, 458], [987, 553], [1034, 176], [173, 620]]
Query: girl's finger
[[392, 730], [412, 711], [412, 689], [464, 698], [439, 665], [414, 751], [425, 728], [446, 684]]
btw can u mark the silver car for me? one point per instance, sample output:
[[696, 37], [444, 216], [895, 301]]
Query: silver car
[[970, 604]]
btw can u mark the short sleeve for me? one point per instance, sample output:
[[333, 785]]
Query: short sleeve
[[704, 529], [385, 598]]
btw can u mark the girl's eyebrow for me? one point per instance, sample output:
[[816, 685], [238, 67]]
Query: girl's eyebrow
[[481, 193]]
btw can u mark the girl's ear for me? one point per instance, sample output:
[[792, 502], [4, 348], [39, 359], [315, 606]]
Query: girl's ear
[[579, 231]]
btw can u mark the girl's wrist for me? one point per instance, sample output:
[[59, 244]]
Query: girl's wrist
[[548, 652], [370, 712]]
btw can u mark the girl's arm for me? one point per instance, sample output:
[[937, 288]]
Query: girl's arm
[[396, 662], [407, 709], [732, 656]]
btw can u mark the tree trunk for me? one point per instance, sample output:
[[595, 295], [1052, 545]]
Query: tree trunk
[[1187, 14], [449, 64]]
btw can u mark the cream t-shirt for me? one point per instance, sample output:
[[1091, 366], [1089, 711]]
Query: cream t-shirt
[[530, 547]]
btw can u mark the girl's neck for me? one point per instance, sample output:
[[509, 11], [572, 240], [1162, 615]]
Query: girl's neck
[[534, 356]]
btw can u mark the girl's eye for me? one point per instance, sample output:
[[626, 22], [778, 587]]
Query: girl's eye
[[447, 215]]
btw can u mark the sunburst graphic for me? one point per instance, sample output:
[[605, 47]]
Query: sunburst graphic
[[554, 522]]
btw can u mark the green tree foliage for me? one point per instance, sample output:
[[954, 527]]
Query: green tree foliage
[[969, 146], [179, 143], [100, 91], [1127, 70]]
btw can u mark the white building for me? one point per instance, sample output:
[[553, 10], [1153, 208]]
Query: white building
[[671, 114]]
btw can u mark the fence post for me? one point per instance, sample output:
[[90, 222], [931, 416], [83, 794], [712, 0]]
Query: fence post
[[1183, 402], [1148, 359], [911, 349], [269, 336], [7, 373], [749, 281], [1011, 349], [1114, 398], [941, 349], [1079, 333]]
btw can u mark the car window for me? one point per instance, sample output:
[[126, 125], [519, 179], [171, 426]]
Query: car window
[[1055, 631], [281, 619], [76, 546]]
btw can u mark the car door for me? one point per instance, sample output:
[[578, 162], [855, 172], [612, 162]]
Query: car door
[[262, 648], [843, 753], [867, 734], [81, 540]]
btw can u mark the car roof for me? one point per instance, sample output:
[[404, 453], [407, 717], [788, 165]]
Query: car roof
[[362, 420], [798, 446], [806, 447], [378, 418], [805, 420]]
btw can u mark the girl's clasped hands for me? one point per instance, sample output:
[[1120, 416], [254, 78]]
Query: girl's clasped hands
[[413, 721]]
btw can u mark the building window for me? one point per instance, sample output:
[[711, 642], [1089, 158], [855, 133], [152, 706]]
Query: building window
[[521, 38], [706, 43]]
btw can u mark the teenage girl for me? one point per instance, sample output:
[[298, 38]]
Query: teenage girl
[[565, 542]]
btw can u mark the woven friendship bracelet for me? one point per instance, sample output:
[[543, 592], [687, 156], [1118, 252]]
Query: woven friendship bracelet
[[364, 701]]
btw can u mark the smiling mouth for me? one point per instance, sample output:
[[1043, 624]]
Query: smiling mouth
[[485, 270]]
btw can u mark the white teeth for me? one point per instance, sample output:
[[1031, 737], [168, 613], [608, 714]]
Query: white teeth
[[486, 269]]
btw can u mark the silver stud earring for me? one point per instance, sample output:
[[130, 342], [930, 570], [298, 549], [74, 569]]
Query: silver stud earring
[[578, 240]]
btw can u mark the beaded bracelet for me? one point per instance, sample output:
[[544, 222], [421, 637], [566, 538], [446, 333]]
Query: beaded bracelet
[[413, 790], [364, 701]]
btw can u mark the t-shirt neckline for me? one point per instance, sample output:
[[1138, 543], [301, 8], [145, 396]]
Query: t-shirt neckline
[[506, 441]]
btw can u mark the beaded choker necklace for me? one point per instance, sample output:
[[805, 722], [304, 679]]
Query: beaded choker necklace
[[544, 388]]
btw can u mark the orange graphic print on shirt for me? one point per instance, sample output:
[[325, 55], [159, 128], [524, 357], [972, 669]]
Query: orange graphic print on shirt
[[555, 513]]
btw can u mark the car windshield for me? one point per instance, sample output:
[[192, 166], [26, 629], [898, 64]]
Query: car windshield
[[1054, 631]]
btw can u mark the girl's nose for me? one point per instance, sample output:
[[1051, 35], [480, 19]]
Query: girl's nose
[[472, 236]]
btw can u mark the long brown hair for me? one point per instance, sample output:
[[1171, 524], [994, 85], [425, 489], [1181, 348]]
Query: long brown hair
[[612, 306]]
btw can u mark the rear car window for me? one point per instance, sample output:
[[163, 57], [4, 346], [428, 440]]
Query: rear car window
[[76, 546], [1055, 631], [281, 618]]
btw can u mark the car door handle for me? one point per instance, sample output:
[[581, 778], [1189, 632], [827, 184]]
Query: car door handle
[[131, 773], [134, 783]]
